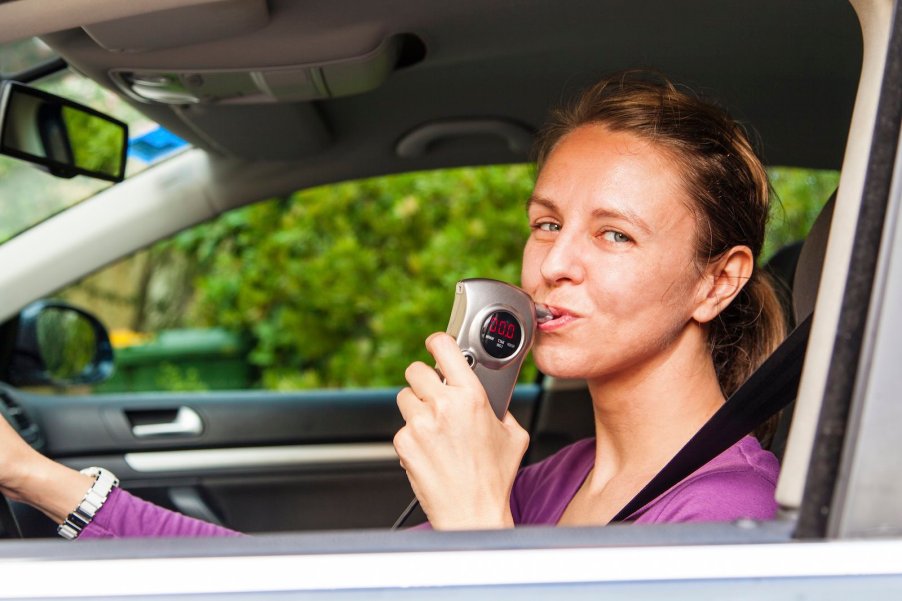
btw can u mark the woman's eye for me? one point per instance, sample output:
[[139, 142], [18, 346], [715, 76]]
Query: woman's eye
[[615, 236], [547, 226]]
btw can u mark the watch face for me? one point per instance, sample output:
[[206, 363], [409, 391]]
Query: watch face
[[501, 335]]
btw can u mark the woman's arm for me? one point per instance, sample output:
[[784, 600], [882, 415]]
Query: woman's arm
[[56, 490], [125, 516]]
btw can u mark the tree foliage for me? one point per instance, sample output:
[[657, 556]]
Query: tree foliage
[[340, 285], [798, 197]]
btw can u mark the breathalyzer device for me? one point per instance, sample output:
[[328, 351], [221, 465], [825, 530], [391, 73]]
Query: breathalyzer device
[[494, 324]]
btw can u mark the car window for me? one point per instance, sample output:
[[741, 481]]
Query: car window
[[331, 287], [335, 286], [29, 195]]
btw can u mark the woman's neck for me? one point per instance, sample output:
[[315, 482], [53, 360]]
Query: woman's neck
[[644, 415]]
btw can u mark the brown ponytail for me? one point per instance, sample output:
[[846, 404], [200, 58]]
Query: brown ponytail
[[727, 183]]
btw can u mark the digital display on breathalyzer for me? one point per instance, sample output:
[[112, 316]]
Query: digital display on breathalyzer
[[501, 335]]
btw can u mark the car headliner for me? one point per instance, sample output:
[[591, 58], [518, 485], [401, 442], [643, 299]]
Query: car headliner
[[788, 69]]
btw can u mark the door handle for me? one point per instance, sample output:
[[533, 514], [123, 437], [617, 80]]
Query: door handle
[[186, 423]]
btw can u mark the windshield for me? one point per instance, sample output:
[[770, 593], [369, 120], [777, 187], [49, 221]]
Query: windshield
[[23, 55], [29, 195]]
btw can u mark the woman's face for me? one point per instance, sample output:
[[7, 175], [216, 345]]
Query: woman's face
[[612, 253]]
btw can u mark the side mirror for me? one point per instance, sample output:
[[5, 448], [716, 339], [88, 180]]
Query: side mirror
[[61, 345], [61, 136]]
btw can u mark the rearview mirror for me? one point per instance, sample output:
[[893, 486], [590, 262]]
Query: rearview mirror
[[63, 137], [61, 345]]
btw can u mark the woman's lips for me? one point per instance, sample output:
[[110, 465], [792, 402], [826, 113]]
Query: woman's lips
[[556, 318]]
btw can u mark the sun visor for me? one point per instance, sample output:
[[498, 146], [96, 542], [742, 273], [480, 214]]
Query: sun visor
[[281, 132], [192, 24]]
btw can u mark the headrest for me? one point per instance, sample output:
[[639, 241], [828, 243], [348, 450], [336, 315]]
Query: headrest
[[811, 263]]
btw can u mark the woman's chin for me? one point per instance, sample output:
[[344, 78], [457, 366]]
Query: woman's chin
[[559, 367]]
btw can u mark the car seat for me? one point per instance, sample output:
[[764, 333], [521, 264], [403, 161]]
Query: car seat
[[802, 284]]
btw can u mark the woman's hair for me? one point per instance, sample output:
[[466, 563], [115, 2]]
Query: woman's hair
[[724, 178]]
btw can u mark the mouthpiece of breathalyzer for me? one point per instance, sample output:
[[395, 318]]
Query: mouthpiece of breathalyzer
[[543, 314]]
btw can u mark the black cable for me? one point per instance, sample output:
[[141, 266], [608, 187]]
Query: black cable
[[406, 514]]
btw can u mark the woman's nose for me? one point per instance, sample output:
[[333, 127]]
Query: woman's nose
[[564, 260]]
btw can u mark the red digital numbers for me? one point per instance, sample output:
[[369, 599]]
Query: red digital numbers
[[502, 327]]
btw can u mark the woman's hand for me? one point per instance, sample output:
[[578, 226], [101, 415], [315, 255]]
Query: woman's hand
[[29, 477], [460, 459]]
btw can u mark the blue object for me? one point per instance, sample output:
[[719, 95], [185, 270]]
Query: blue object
[[155, 145]]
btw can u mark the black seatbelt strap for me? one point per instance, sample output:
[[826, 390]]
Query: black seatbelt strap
[[769, 389]]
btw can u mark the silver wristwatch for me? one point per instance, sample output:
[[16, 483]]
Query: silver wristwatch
[[104, 482]]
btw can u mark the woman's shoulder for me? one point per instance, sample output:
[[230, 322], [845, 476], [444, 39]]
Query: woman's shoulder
[[738, 483], [745, 456]]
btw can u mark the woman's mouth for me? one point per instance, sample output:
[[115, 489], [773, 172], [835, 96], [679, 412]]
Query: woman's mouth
[[550, 318]]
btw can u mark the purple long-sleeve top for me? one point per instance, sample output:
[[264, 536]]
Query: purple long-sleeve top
[[738, 483]]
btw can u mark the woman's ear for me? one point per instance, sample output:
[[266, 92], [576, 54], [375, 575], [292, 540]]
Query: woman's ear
[[723, 280]]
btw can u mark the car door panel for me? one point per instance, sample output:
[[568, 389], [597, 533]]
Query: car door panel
[[261, 461]]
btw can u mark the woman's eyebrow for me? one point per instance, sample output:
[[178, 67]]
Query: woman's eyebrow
[[540, 200]]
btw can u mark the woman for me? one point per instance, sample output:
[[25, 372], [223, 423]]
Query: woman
[[647, 217]]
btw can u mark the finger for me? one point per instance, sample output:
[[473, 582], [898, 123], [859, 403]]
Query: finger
[[424, 380], [512, 425], [409, 404], [518, 434], [451, 361], [510, 421]]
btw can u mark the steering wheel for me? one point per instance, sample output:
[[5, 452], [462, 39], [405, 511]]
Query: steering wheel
[[9, 527]]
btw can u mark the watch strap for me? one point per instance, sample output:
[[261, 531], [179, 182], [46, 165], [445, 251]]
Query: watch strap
[[78, 520]]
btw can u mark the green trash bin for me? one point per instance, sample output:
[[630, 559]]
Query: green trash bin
[[182, 360]]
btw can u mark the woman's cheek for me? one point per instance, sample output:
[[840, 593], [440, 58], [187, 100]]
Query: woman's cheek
[[530, 272], [618, 289]]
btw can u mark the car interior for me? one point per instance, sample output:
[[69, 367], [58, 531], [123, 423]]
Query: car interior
[[276, 96]]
